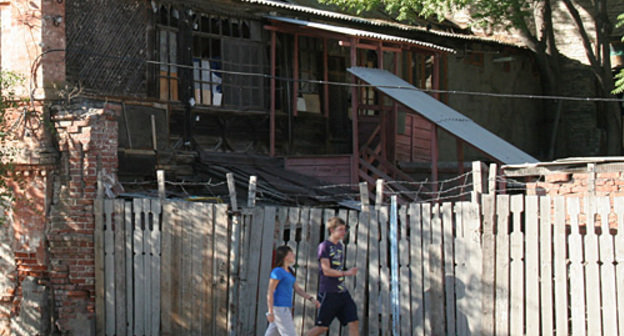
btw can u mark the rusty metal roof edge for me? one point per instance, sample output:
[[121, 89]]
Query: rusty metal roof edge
[[360, 33], [376, 22]]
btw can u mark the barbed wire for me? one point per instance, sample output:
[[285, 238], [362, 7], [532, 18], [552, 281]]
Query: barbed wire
[[410, 88]]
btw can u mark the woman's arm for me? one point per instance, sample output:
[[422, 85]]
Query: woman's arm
[[305, 295], [272, 285]]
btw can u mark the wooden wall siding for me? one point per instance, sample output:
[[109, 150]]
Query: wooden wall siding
[[332, 169], [510, 265], [414, 145]]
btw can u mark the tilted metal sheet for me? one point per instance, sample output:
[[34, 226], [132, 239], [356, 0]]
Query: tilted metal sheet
[[359, 33], [442, 115]]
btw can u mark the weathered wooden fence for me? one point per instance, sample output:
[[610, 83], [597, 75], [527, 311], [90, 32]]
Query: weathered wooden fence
[[509, 265]]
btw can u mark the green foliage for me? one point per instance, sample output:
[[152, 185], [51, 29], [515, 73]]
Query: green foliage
[[619, 78]]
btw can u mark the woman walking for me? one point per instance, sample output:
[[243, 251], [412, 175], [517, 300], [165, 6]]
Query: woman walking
[[280, 294]]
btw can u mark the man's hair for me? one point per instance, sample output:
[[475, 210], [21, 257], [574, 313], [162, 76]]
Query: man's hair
[[334, 222]]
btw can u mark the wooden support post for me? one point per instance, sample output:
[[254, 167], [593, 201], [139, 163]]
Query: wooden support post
[[477, 181], [272, 116], [232, 189], [251, 200], [326, 79], [434, 156], [295, 75], [436, 75], [160, 177], [492, 178], [355, 167], [460, 155], [379, 194], [154, 138], [364, 196]]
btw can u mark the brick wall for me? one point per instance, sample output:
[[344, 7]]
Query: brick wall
[[88, 144]]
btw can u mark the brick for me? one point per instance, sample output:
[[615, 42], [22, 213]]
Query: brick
[[558, 177]]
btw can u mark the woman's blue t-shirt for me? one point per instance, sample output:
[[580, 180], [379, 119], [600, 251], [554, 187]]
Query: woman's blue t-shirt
[[282, 297]]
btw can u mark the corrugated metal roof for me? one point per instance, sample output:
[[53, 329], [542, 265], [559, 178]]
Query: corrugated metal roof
[[442, 115], [373, 22], [359, 33]]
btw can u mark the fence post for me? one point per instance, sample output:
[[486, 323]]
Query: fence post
[[379, 185], [477, 181], [492, 179], [234, 258], [591, 178], [394, 264], [160, 177], [364, 196], [251, 197]]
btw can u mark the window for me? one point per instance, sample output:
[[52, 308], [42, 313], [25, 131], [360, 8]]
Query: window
[[167, 53], [207, 83]]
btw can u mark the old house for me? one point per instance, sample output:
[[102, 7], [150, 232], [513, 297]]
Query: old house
[[118, 89]]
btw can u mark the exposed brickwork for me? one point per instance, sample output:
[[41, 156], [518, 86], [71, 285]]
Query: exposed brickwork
[[88, 144]]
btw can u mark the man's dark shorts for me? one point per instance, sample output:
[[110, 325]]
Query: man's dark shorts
[[338, 305]]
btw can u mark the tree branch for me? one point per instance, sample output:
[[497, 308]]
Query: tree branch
[[585, 38]]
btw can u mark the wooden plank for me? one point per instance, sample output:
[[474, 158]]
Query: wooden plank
[[436, 274], [373, 274], [360, 282], [607, 270], [207, 214], [234, 279], [472, 231], [221, 253], [166, 266], [385, 322], [100, 289], [462, 273], [592, 269], [178, 223], [281, 226], [404, 269], [577, 280], [502, 265], [302, 263], [353, 221], [426, 242], [186, 276], [489, 259], [197, 225], [546, 266], [532, 265], [254, 264], [312, 275], [251, 195], [416, 269], [109, 258], [618, 207], [120, 269], [560, 267], [265, 266], [139, 269], [449, 266], [147, 264], [232, 190], [244, 285], [128, 237], [477, 181], [334, 327], [293, 220], [516, 317]]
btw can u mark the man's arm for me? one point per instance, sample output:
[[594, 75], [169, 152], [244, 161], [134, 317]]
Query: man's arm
[[330, 272]]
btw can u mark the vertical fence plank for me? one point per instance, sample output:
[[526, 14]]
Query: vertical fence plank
[[361, 279], [139, 269], [618, 205], [221, 248], [607, 271], [189, 222], [462, 273], [546, 266], [560, 267], [352, 248], [488, 271], [156, 242], [312, 275], [293, 220], [472, 232], [449, 267], [577, 280], [147, 268], [334, 328], [592, 270], [404, 267], [427, 275], [167, 263], [517, 268], [502, 265], [207, 215], [416, 271], [234, 279], [177, 258], [120, 269], [384, 273], [197, 224], [245, 283], [532, 265], [109, 249], [373, 274], [100, 283], [128, 237], [436, 274], [254, 264], [265, 266], [302, 268]]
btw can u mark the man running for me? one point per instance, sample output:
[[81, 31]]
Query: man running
[[333, 295]]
